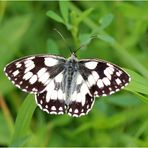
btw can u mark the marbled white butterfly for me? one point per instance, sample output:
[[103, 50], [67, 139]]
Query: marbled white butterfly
[[66, 86]]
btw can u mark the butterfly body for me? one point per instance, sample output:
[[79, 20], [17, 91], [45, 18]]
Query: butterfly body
[[66, 86], [70, 75]]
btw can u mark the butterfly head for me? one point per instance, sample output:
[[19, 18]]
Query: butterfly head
[[73, 56]]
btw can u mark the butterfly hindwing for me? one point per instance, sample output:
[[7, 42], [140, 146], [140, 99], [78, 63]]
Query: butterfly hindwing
[[31, 74], [81, 100], [103, 78], [51, 106], [76, 109]]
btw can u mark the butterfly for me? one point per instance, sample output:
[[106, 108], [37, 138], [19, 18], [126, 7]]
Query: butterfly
[[66, 85]]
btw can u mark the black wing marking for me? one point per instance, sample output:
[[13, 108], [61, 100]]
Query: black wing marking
[[33, 73], [103, 78]]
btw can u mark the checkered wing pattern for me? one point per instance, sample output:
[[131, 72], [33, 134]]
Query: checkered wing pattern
[[32, 74], [52, 100], [103, 78], [96, 78]]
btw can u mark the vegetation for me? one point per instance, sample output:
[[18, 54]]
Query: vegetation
[[114, 31]]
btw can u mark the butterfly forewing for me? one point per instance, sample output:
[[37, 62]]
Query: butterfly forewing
[[32, 74], [103, 78]]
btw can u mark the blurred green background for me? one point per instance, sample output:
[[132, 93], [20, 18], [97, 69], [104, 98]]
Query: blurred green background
[[114, 31]]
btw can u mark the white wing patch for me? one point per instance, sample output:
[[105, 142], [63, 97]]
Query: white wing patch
[[33, 79], [100, 83], [28, 75], [29, 66], [50, 62], [15, 73], [44, 78], [91, 80], [95, 75], [118, 81], [59, 77], [79, 79], [106, 81], [91, 65], [41, 72], [50, 87]]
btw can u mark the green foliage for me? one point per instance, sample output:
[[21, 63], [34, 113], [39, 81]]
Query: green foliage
[[115, 32], [106, 20], [22, 123], [64, 10], [54, 16]]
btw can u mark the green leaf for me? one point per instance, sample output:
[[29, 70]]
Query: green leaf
[[23, 122], [84, 14], [85, 39], [124, 100], [64, 10], [106, 20], [138, 83], [55, 17], [143, 98], [106, 38]]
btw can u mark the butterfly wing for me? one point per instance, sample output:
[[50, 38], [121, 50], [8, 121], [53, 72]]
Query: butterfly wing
[[32, 74], [50, 105], [81, 101], [103, 78], [52, 100], [95, 78]]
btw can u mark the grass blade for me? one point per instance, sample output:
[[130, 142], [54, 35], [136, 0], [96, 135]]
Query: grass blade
[[23, 121]]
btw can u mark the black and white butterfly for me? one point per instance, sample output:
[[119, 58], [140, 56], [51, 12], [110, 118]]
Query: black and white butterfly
[[66, 85]]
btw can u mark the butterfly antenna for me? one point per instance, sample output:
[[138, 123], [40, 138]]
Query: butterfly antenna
[[63, 39], [81, 46]]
